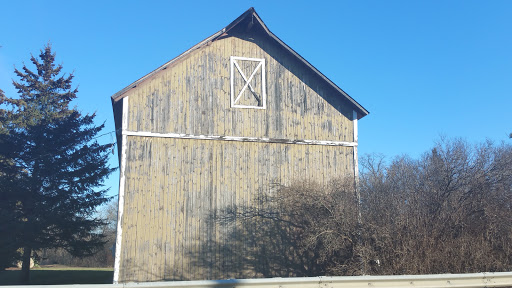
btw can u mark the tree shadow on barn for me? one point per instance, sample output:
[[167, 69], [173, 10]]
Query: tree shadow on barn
[[253, 241]]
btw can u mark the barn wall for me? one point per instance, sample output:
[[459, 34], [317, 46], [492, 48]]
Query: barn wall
[[193, 97], [174, 187]]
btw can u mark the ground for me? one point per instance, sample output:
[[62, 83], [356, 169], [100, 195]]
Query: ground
[[57, 274]]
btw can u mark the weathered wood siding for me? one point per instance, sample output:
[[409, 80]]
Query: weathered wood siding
[[172, 185], [193, 97]]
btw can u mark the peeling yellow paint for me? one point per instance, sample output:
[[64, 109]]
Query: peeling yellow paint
[[240, 171], [192, 112], [174, 185]]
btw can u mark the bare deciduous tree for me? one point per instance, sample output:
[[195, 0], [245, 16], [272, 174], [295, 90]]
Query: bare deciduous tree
[[449, 212]]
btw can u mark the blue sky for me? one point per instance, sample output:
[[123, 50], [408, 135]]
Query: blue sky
[[423, 69]]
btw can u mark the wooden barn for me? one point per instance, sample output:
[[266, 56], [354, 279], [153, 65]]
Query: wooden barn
[[231, 116]]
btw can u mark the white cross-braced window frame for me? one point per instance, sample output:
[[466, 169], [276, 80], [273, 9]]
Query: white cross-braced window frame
[[236, 71]]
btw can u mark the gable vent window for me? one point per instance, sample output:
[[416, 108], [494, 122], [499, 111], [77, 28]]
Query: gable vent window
[[248, 83]]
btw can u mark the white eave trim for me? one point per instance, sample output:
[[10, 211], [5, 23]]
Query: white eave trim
[[122, 180], [356, 164]]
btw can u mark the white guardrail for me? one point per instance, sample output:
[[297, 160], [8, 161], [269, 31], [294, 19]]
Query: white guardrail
[[473, 280]]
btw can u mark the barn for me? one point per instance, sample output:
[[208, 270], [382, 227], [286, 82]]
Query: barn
[[232, 115]]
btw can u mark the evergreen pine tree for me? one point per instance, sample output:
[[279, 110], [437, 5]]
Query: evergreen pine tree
[[8, 249], [51, 166]]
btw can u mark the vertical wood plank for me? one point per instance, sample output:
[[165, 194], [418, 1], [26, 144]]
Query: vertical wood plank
[[177, 183]]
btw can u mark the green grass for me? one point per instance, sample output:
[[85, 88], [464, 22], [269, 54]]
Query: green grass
[[60, 275]]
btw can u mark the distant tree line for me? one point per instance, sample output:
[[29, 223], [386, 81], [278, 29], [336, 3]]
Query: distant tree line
[[104, 256], [450, 211]]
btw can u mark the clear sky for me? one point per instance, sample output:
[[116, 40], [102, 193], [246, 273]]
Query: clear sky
[[423, 69]]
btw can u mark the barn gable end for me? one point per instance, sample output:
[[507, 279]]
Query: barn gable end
[[225, 119]]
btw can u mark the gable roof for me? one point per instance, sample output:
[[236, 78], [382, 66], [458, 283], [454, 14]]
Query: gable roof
[[361, 111]]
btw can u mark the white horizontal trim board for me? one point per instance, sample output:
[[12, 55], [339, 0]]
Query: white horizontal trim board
[[240, 139], [472, 280]]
